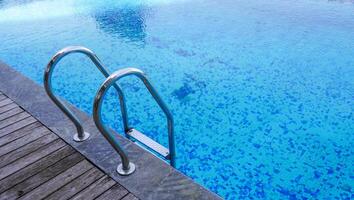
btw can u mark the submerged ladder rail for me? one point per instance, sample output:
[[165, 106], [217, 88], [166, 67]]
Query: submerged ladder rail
[[81, 135], [111, 80]]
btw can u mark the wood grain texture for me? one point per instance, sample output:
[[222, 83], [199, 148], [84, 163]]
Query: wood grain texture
[[16, 126], [95, 189], [47, 174], [35, 168], [116, 191], [13, 119], [76, 185], [2, 97], [18, 133], [36, 164], [58, 181], [8, 107], [130, 196], [30, 158], [19, 143], [10, 113], [5, 102]]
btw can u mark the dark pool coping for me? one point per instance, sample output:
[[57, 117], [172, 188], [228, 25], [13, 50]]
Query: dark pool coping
[[153, 179]]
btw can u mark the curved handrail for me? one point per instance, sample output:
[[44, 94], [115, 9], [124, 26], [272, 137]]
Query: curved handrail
[[112, 79], [81, 135]]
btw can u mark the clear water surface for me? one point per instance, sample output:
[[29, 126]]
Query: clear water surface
[[262, 91]]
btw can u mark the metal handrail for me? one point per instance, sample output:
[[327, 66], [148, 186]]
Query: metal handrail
[[112, 79], [81, 135]]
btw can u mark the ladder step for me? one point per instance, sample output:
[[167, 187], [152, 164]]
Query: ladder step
[[148, 142]]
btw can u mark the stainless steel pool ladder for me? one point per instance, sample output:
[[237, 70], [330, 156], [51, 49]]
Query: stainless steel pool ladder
[[168, 154], [81, 135], [126, 167]]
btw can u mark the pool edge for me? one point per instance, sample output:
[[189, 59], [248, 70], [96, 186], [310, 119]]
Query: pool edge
[[153, 178]]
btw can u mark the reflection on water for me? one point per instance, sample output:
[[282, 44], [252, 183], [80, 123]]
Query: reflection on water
[[32, 10], [120, 19], [127, 23]]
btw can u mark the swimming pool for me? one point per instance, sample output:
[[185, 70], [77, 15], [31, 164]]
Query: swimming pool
[[262, 91]]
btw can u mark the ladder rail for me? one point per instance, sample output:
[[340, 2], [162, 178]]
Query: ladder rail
[[111, 80], [81, 135]]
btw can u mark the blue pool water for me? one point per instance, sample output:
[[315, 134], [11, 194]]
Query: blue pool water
[[262, 91]]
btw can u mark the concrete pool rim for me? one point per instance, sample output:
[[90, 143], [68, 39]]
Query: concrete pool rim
[[154, 180]]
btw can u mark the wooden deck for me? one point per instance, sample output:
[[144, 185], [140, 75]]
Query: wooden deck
[[36, 164]]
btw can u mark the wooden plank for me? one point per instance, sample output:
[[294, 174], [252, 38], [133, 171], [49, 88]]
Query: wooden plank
[[34, 135], [40, 178], [2, 97], [36, 164], [76, 185], [31, 158], [8, 158], [19, 133], [13, 119], [130, 196], [59, 181], [95, 189], [17, 126], [115, 192], [10, 113], [5, 102], [8, 107], [47, 174], [35, 168]]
